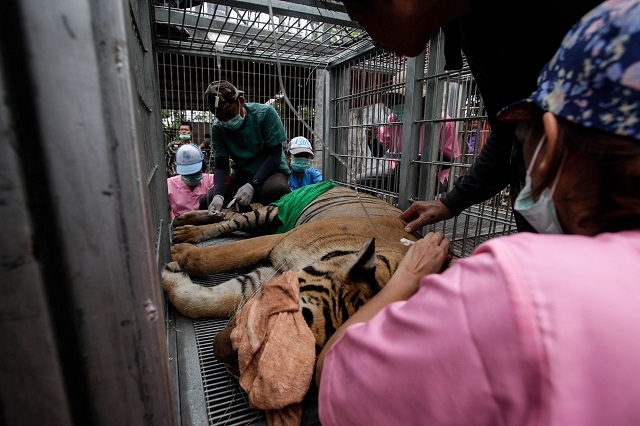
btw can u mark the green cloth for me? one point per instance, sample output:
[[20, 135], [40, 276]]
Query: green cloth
[[291, 205]]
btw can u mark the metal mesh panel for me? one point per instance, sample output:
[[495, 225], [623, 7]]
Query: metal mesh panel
[[391, 119], [184, 79], [454, 102], [313, 34], [359, 107]]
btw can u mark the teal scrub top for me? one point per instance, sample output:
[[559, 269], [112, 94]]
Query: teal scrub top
[[263, 128]]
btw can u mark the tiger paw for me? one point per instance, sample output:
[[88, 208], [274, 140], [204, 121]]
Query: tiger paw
[[171, 275], [180, 254], [187, 234], [173, 267]]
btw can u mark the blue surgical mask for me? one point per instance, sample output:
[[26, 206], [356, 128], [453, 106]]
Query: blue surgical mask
[[192, 180], [234, 124], [541, 214], [184, 137], [300, 164]]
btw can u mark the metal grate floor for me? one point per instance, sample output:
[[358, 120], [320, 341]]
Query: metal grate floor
[[205, 392], [203, 382], [225, 401]]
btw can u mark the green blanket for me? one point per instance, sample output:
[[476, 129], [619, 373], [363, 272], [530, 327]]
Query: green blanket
[[291, 205]]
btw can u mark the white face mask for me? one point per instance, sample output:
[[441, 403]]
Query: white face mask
[[541, 214]]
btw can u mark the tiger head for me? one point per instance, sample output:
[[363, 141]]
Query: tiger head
[[331, 290], [334, 288]]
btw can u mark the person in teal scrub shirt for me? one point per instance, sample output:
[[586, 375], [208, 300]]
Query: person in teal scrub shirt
[[253, 136]]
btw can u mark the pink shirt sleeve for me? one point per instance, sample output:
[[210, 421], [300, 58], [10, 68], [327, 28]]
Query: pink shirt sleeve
[[432, 359]]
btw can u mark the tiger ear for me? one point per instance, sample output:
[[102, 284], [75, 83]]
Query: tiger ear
[[366, 260]]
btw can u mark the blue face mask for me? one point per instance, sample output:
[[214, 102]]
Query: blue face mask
[[300, 164], [541, 214], [192, 180], [184, 137], [234, 124]]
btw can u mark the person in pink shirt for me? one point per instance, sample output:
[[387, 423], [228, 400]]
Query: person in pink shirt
[[534, 328], [190, 184], [390, 134], [390, 138]]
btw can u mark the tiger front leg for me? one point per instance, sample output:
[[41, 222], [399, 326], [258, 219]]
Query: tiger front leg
[[195, 234], [196, 261], [229, 257], [197, 226], [196, 217], [264, 219]]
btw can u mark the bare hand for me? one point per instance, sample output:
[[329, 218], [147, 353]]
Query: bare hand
[[426, 256], [422, 213]]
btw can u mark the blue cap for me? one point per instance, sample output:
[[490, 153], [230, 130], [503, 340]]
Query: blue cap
[[594, 78], [189, 159]]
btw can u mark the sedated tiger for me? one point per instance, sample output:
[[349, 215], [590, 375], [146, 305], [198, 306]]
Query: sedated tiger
[[343, 256]]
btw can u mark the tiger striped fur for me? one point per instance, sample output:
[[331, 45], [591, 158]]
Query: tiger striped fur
[[264, 220], [342, 254]]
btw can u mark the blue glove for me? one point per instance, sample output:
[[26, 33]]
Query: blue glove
[[244, 194], [216, 205]]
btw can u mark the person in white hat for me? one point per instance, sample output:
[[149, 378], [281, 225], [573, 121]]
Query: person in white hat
[[299, 156], [190, 184]]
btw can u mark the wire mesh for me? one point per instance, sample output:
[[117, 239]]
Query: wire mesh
[[185, 78], [311, 34], [371, 111]]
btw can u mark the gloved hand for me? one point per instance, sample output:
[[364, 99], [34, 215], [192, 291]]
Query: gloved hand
[[244, 194], [216, 205]]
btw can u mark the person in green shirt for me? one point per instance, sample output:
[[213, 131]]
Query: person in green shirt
[[253, 136]]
